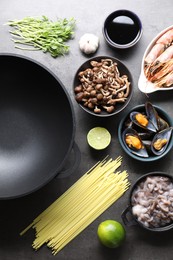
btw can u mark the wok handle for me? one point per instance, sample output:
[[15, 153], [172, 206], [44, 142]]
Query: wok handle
[[128, 218], [77, 158]]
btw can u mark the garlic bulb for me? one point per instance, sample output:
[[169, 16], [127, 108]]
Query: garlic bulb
[[89, 43]]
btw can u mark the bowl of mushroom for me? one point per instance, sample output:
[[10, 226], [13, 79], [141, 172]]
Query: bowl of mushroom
[[103, 86]]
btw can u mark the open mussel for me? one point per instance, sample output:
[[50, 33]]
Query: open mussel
[[133, 142], [161, 141], [142, 121], [158, 122]]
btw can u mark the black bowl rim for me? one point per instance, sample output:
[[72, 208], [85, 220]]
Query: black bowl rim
[[151, 158], [139, 180], [124, 105], [129, 14]]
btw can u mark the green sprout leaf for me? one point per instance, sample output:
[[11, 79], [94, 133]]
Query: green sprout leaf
[[42, 34]]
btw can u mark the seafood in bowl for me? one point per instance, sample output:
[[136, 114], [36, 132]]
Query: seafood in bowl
[[146, 133], [157, 64], [151, 202]]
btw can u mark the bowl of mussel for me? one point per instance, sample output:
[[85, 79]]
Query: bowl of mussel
[[103, 86], [145, 133], [150, 202]]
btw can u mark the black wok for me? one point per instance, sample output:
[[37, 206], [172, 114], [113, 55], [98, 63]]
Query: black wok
[[36, 126]]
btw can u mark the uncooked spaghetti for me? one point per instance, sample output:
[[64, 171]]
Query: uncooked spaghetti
[[80, 205]]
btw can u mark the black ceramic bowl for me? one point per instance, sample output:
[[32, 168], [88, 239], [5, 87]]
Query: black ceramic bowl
[[122, 29], [119, 106], [128, 216], [141, 108]]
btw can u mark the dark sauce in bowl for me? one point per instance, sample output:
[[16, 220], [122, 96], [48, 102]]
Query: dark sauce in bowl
[[122, 29], [126, 27]]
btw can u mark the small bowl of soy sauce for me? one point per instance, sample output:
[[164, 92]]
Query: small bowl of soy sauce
[[122, 29]]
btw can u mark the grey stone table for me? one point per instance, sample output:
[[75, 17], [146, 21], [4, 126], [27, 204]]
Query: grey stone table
[[17, 213]]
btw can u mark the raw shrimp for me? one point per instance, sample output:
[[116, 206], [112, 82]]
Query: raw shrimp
[[166, 81], [160, 46], [160, 61], [154, 53], [167, 68], [166, 38]]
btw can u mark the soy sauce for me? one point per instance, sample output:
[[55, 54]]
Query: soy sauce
[[122, 30]]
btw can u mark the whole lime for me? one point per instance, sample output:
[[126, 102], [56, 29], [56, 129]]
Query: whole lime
[[111, 233]]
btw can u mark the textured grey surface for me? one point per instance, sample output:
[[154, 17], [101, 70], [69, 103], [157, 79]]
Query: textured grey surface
[[18, 213]]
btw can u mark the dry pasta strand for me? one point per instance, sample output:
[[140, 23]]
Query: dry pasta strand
[[80, 205]]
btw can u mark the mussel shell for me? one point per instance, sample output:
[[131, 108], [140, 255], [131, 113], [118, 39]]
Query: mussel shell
[[164, 134], [139, 152], [149, 127], [158, 122], [162, 124], [152, 114], [128, 123], [145, 135], [147, 144]]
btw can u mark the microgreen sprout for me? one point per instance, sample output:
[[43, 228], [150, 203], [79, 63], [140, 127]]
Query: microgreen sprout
[[42, 34]]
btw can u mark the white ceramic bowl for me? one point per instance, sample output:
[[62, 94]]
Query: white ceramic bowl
[[143, 84]]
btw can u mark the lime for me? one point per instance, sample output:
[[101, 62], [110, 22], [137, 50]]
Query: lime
[[111, 233], [98, 138]]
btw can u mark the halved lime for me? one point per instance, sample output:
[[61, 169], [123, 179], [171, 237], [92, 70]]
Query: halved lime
[[98, 138]]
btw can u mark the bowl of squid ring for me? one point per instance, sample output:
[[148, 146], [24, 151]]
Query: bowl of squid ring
[[150, 203], [157, 64]]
